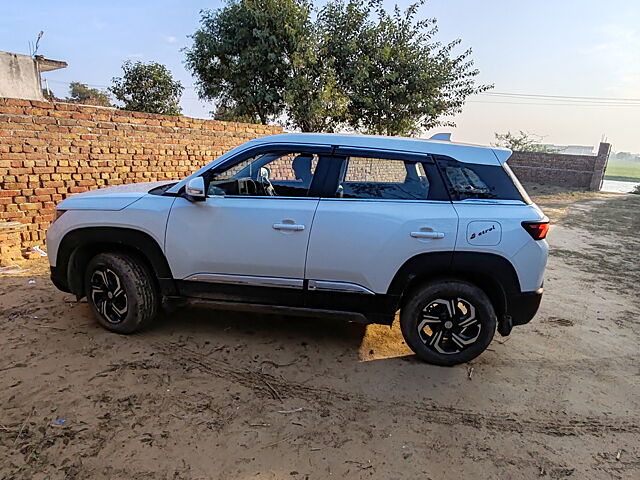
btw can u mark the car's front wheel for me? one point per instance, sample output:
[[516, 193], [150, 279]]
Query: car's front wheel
[[121, 292], [448, 322]]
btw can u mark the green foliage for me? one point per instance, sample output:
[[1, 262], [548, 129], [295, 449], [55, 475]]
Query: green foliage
[[522, 142], [49, 96], [398, 79], [314, 100], [354, 65], [81, 93], [147, 87], [241, 55]]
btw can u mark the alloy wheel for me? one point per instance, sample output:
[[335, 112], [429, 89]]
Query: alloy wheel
[[108, 296], [449, 325]]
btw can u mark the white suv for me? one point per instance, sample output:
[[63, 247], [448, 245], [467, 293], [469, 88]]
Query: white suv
[[330, 224]]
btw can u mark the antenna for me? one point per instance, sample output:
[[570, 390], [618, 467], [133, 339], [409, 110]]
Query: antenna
[[445, 137], [33, 49]]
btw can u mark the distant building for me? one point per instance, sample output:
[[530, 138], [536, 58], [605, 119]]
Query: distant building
[[572, 149], [20, 75]]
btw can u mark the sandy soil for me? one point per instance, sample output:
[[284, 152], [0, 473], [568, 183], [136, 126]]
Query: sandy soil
[[206, 394]]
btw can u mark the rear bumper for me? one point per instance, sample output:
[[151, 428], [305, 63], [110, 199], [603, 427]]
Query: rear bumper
[[522, 307]]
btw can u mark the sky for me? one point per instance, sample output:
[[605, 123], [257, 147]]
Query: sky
[[546, 50]]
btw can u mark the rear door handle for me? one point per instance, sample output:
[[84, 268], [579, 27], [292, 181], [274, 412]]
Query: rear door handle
[[288, 226], [427, 234]]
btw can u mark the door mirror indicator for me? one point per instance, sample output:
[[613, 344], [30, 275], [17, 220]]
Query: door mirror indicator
[[194, 190]]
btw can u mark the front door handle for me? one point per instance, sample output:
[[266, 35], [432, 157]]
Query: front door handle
[[288, 226], [427, 234]]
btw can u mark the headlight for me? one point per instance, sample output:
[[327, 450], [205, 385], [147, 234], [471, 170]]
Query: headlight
[[59, 213]]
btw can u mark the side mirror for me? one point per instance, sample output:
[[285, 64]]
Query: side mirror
[[194, 190]]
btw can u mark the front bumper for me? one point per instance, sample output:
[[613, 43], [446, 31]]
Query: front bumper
[[59, 279], [521, 308]]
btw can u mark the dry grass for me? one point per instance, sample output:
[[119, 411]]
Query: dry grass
[[610, 222], [612, 254], [555, 200]]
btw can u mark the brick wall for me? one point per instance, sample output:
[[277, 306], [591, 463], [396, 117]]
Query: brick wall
[[580, 171], [51, 150], [10, 242]]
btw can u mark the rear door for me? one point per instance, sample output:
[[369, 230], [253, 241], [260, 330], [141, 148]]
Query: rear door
[[386, 207], [491, 206]]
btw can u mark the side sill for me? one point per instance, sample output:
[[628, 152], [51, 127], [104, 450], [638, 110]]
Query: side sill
[[280, 310], [168, 287]]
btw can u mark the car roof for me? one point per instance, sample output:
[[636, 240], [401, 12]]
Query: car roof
[[460, 151]]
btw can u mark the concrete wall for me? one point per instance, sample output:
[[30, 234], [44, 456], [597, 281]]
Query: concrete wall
[[19, 77], [579, 171], [51, 150]]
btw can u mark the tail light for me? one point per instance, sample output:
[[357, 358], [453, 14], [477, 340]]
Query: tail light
[[537, 230]]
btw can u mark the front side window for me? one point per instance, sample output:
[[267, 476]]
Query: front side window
[[383, 178], [475, 181], [273, 174]]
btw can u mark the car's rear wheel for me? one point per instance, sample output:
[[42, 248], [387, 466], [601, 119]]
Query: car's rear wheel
[[448, 322], [121, 292]]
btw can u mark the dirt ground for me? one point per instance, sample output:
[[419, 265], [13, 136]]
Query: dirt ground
[[206, 394]]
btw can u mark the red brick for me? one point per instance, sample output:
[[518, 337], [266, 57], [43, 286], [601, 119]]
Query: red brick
[[17, 102], [45, 105]]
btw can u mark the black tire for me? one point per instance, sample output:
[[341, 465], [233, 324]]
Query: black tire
[[439, 337], [121, 292]]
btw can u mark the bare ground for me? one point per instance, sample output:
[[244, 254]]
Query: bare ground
[[206, 394]]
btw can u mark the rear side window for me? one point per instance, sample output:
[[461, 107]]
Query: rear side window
[[383, 178], [469, 180]]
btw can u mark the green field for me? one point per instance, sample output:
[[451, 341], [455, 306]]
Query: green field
[[624, 171]]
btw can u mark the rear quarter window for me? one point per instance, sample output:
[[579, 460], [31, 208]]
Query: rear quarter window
[[473, 181]]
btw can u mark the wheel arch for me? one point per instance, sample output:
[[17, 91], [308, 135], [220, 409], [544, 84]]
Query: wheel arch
[[79, 246], [492, 273]]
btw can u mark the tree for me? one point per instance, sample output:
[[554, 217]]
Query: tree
[[355, 65], [81, 93], [241, 55], [522, 142], [314, 101], [147, 87], [399, 80]]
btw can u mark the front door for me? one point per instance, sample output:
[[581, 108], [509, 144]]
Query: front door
[[248, 240]]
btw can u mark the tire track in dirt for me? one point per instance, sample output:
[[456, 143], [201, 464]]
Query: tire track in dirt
[[551, 423]]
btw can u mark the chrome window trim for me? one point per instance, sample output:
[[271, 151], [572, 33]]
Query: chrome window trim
[[327, 286], [387, 200], [248, 280], [489, 201], [264, 197]]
